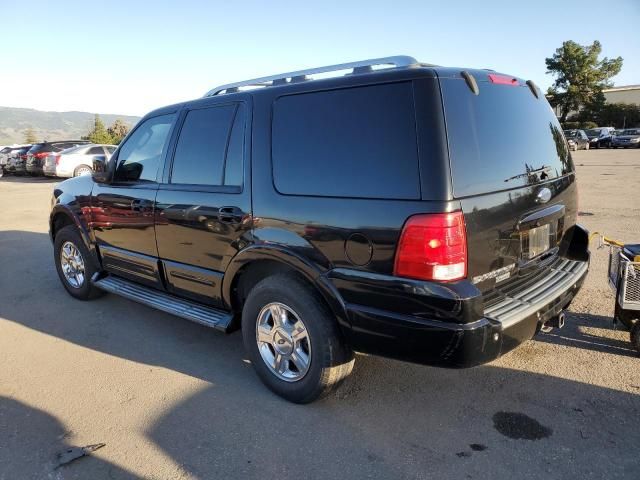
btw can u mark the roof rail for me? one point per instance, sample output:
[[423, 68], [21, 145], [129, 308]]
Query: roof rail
[[363, 66]]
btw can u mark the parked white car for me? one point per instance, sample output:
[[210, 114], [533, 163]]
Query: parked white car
[[75, 161]]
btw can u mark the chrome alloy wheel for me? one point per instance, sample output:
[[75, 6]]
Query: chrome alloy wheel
[[283, 342], [83, 171], [72, 264]]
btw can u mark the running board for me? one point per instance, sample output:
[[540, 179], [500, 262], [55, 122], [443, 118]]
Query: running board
[[211, 317]]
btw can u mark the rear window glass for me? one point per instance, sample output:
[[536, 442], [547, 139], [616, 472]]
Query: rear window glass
[[502, 138], [76, 149], [356, 142], [36, 147]]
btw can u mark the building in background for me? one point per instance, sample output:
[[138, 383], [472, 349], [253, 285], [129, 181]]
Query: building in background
[[623, 94]]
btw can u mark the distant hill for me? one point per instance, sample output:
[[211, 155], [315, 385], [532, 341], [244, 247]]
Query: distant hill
[[50, 125]]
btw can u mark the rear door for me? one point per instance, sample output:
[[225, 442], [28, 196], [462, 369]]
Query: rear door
[[203, 206], [512, 172]]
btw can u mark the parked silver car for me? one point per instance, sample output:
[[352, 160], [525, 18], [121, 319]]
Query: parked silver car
[[75, 161], [628, 138]]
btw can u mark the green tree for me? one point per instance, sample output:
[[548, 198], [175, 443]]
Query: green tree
[[580, 76], [30, 136], [118, 131], [98, 133]]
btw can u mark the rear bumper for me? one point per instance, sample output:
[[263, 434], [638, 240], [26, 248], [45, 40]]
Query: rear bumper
[[34, 168], [510, 318], [49, 171]]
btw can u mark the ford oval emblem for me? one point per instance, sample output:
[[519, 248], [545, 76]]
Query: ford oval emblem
[[544, 195]]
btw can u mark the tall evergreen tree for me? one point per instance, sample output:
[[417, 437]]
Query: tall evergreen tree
[[30, 136], [580, 76], [99, 133]]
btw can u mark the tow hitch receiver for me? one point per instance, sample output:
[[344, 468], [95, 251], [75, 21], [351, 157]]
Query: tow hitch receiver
[[553, 322]]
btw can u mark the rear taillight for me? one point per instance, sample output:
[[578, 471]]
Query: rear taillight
[[40, 155], [57, 160], [433, 247]]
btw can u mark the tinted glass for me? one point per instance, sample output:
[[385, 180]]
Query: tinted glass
[[77, 149], [502, 138], [143, 151], [36, 147], [95, 151], [201, 147], [356, 142]]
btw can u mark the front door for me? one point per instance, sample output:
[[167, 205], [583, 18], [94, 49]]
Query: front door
[[122, 211], [203, 205]]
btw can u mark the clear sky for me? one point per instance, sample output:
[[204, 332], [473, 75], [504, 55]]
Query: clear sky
[[129, 57]]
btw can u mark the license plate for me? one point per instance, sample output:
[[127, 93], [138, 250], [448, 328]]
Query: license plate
[[535, 241]]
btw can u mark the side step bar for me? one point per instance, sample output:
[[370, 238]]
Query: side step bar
[[211, 317]]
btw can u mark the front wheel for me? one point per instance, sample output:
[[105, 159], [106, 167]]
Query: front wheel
[[293, 340], [74, 264]]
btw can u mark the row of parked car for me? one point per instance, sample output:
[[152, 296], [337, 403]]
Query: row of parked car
[[65, 158], [603, 137]]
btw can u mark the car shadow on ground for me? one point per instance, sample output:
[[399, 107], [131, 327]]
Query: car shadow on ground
[[389, 420], [580, 332], [29, 179], [31, 440]]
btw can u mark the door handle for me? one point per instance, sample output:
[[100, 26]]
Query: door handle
[[138, 205], [230, 215]]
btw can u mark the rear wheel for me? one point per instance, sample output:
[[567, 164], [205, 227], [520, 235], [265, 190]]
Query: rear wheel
[[82, 170], [74, 264], [293, 340]]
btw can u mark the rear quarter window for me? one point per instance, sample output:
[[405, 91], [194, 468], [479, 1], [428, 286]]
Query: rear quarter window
[[356, 142], [502, 138]]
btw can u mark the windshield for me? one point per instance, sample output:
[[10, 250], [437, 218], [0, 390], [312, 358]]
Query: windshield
[[571, 133], [594, 132]]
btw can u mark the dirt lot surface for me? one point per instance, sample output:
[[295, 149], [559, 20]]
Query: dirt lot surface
[[175, 400]]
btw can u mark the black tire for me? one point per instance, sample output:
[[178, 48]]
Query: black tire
[[331, 360], [635, 336], [86, 291]]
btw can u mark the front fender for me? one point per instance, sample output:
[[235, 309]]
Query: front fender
[[313, 272], [71, 199]]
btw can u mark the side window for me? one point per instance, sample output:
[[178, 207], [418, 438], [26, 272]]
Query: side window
[[354, 142], [209, 150], [95, 151], [141, 154]]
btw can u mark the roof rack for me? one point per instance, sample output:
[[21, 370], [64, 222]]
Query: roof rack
[[363, 66]]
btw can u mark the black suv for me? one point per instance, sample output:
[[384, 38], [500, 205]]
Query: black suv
[[39, 152], [417, 212]]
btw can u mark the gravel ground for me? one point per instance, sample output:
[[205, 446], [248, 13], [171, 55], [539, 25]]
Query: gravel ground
[[174, 400]]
